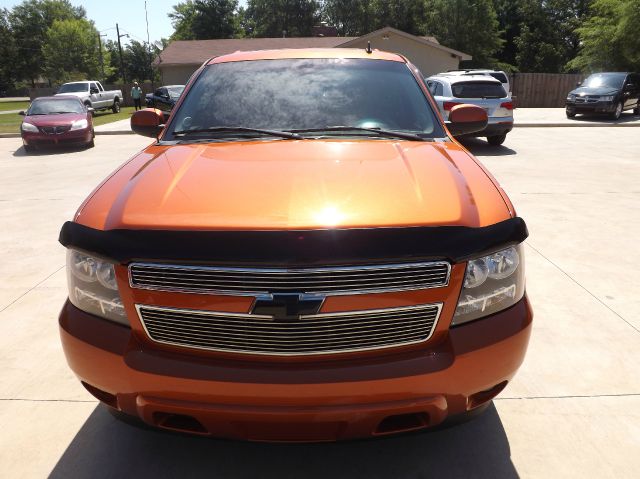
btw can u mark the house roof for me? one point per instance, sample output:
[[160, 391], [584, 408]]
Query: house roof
[[196, 52]]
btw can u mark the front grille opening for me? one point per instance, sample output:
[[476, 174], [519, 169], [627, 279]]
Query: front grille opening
[[402, 423], [103, 396], [179, 422]]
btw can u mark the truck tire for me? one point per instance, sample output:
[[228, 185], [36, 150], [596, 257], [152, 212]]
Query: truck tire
[[88, 105], [116, 106], [618, 111], [497, 140], [636, 110]]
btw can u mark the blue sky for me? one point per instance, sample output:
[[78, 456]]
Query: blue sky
[[129, 14]]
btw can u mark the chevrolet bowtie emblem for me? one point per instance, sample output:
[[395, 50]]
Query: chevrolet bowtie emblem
[[287, 307]]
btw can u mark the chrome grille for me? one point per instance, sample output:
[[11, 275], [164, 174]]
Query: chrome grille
[[254, 281], [314, 334]]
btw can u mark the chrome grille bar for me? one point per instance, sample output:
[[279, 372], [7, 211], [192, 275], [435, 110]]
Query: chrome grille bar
[[255, 281], [323, 333]]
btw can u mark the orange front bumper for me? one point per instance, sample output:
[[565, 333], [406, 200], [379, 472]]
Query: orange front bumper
[[322, 400]]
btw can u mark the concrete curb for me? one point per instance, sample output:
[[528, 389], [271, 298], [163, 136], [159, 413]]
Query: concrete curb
[[573, 125], [98, 133]]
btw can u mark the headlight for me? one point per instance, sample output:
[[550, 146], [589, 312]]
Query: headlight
[[606, 98], [491, 283], [29, 127], [93, 287], [79, 124], [571, 97]]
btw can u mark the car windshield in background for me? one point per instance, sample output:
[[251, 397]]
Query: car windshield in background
[[73, 88], [307, 94], [175, 92], [51, 107], [607, 80], [478, 89]]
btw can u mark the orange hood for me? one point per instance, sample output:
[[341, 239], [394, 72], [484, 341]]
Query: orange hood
[[284, 184]]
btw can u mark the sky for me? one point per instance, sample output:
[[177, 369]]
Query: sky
[[129, 14]]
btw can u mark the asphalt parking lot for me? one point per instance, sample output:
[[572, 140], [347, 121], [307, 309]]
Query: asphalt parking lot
[[572, 411]]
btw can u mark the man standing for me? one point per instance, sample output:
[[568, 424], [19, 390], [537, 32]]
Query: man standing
[[136, 94]]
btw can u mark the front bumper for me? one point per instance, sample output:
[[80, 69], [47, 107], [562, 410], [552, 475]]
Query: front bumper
[[592, 107], [75, 137], [297, 401]]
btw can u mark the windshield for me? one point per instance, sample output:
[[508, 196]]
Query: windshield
[[175, 91], [303, 94], [73, 88], [478, 89], [50, 107], [608, 80]]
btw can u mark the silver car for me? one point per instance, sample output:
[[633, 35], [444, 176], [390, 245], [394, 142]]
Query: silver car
[[481, 90]]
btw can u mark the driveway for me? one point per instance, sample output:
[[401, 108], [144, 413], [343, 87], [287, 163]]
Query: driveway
[[572, 411]]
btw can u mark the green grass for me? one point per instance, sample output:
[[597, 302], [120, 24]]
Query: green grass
[[10, 123], [13, 105], [106, 116]]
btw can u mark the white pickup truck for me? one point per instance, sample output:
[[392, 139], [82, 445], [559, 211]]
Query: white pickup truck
[[93, 95]]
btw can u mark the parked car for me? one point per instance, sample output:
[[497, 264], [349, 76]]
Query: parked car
[[610, 93], [303, 254], [56, 120], [481, 90], [93, 95], [165, 97], [499, 75]]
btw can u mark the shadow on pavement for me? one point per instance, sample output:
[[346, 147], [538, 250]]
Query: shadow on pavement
[[480, 147], [626, 117], [106, 447], [43, 151]]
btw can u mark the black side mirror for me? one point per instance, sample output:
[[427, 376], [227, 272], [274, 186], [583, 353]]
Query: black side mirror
[[21, 113], [629, 86], [94, 90]]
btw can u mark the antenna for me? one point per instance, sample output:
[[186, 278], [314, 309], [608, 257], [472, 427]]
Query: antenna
[[368, 49]]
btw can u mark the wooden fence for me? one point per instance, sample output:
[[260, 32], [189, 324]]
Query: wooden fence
[[542, 90]]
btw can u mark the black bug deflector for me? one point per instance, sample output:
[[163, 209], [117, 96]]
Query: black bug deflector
[[324, 246]]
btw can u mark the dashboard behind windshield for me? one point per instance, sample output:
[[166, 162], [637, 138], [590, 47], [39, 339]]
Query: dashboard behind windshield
[[613, 80], [293, 94]]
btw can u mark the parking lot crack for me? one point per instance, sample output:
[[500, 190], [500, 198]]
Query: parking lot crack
[[583, 287], [30, 289]]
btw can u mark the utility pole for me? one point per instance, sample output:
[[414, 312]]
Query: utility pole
[[100, 52], [124, 80], [146, 17]]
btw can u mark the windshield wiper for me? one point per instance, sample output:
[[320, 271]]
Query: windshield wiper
[[239, 129], [377, 131]]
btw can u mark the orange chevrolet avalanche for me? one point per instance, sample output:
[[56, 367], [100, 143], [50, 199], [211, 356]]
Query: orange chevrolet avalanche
[[304, 254]]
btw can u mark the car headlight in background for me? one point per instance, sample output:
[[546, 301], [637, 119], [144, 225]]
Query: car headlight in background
[[29, 127], [571, 97], [79, 124], [491, 283], [93, 287]]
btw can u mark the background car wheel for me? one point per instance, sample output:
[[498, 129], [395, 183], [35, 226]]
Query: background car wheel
[[636, 110], [497, 139], [116, 106], [616, 114], [571, 113], [88, 105]]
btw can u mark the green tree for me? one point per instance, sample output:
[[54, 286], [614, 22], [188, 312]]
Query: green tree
[[137, 60], [8, 52], [205, 19], [270, 18], [351, 17], [547, 38], [470, 28], [71, 51], [30, 22], [609, 37]]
